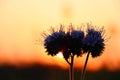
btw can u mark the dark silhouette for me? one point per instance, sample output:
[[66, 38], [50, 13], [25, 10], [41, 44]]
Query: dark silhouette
[[68, 42], [74, 42], [94, 43]]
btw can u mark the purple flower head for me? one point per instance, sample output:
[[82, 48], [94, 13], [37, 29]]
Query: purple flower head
[[68, 42], [94, 42], [55, 42], [76, 42]]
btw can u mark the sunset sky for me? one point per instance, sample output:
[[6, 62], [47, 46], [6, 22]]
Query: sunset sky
[[22, 22]]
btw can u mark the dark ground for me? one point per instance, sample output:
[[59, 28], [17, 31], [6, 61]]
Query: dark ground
[[40, 72]]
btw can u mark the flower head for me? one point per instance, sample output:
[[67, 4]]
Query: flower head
[[76, 42], [55, 42], [94, 41], [68, 42]]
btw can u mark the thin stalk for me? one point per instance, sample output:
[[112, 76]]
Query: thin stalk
[[71, 68], [67, 61], [84, 69]]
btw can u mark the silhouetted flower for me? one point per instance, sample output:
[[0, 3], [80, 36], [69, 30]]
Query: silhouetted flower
[[76, 42], [94, 41], [73, 42], [55, 42], [69, 42]]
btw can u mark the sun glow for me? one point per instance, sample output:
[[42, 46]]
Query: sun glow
[[21, 25], [60, 55]]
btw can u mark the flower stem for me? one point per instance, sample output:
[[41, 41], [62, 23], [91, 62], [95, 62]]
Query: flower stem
[[71, 68], [84, 69], [67, 61]]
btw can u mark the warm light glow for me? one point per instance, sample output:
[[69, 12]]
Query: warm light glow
[[22, 21], [60, 55]]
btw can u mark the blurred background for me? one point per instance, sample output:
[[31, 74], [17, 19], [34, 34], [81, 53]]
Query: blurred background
[[22, 55]]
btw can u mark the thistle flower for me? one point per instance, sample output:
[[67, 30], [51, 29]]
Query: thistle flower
[[76, 42], [55, 42], [94, 42], [73, 43], [69, 43]]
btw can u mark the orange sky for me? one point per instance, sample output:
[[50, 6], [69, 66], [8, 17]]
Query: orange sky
[[22, 21]]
